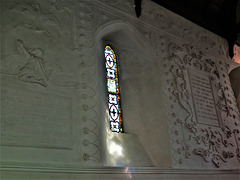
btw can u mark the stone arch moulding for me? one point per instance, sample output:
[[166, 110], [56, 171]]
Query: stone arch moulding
[[123, 38]]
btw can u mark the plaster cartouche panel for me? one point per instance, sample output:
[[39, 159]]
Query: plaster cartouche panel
[[203, 118], [47, 94], [193, 65]]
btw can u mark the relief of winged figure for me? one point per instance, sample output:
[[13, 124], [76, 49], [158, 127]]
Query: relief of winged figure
[[33, 70], [42, 21], [37, 70], [30, 66]]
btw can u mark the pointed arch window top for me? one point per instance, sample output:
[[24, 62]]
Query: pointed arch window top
[[114, 106]]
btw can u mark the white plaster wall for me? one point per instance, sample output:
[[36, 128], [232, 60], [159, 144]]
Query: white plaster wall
[[59, 118]]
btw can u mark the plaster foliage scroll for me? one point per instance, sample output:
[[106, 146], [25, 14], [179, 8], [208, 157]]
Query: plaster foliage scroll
[[202, 115], [212, 44], [33, 62], [156, 15], [68, 9], [200, 37], [42, 21], [169, 22]]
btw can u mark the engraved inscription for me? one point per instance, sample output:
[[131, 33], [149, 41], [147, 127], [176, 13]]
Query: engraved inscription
[[203, 98], [35, 119]]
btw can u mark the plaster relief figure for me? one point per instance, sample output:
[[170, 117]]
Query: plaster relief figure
[[30, 66], [43, 22], [33, 70]]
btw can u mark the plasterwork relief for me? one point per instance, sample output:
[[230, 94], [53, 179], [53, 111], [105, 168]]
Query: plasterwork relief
[[191, 139], [220, 148], [125, 6], [49, 49], [34, 62], [218, 143], [90, 131], [199, 37], [156, 16], [174, 25]]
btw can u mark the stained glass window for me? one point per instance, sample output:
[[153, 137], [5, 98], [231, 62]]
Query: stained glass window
[[114, 106]]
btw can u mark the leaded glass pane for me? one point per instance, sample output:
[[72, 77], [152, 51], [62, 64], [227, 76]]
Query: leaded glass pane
[[111, 73], [115, 115], [113, 99], [115, 126], [112, 85], [113, 111]]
